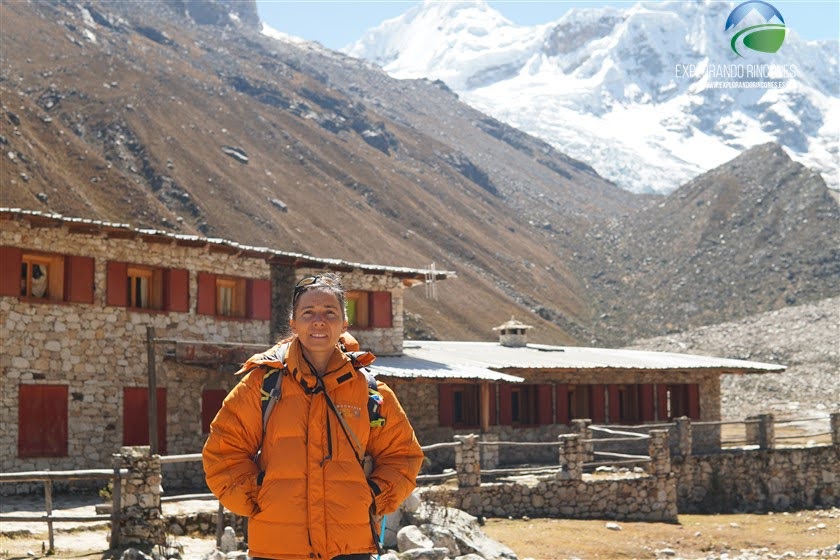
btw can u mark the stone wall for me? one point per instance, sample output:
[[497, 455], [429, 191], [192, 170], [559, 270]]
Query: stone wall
[[97, 350]]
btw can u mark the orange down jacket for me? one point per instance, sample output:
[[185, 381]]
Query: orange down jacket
[[314, 500]]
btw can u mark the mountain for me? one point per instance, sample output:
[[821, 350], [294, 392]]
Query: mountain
[[188, 117], [759, 232], [642, 93], [165, 116]]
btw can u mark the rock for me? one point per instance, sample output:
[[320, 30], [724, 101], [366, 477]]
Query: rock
[[215, 555], [424, 554], [613, 526], [442, 538], [134, 554], [410, 537], [471, 556], [228, 540], [464, 527]]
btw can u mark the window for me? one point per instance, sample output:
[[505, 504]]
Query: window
[[626, 405], [46, 277], [42, 420], [525, 405], [34, 277], [459, 405], [136, 417], [211, 403], [139, 287], [682, 399], [147, 287], [369, 309], [232, 296], [578, 402]]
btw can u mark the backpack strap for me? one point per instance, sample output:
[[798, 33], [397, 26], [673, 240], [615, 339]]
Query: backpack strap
[[360, 362], [272, 386]]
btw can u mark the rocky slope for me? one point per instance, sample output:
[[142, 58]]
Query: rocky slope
[[183, 116], [806, 338]]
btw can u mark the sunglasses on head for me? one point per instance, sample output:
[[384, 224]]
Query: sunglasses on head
[[303, 284]]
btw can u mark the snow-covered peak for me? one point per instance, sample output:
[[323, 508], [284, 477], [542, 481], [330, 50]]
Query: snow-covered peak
[[644, 93], [454, 41]]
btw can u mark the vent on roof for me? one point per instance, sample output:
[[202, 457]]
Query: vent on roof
[[513, 333]]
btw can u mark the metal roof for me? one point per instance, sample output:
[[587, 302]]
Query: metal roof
[[483, 360], [272, 255], [407, 366]]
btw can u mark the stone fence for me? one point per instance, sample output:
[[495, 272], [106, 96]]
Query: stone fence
[[761, 478]]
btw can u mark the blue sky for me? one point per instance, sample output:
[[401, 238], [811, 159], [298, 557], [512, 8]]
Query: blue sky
[[336, 23]]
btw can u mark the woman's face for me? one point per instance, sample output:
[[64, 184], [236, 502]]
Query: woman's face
[[318, 321]]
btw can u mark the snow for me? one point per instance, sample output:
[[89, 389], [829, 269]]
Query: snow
[[604, 84]]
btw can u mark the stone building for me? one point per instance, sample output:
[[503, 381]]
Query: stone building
[[83, 304], [83, 301], [516, 391]]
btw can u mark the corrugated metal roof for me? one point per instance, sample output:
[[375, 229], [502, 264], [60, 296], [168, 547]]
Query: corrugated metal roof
[[448, 359], [408, 366]]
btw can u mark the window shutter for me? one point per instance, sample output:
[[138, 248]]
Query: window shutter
[[136, 417], [615, 403], [646, 399], [545, 414], [78, 279], [563, 404], [598, 404], [10, 260], [381, 304], [116, 293], [445, 405], [176, 290], [694, 401], [206, 293], [211, 403], [42, 420], [505, 412], [494, 415], [259, 299], [662, 401]]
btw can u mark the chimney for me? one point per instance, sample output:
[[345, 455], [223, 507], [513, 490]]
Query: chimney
[[513, 333]]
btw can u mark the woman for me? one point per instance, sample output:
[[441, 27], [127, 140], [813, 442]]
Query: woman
[[306, 494]]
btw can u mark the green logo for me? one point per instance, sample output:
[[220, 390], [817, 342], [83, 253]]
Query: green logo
[[766, 37]]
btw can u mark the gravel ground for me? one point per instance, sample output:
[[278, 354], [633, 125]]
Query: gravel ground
[[805, 338]]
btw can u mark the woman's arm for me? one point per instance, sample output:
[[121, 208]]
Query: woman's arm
[[235, 437], [397, 456]]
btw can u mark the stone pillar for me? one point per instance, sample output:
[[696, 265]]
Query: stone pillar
[[489, 453], [571, 458], [767, 431], [581, 427], [141, 520], [835, 428], [468, 467], [684, 435], [283, 281], [660, 454]]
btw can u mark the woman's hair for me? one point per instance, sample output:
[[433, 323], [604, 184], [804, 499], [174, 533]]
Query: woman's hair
[[326, 282]]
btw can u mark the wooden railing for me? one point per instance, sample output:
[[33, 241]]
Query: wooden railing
[[48, 477]]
